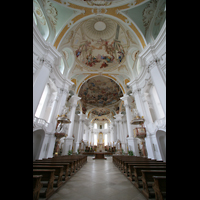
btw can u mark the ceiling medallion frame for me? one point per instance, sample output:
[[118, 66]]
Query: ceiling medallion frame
[[100, 26], [90, 31]]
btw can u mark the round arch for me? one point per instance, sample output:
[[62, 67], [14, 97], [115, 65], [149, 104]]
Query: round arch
[[97, 118], [106, 75], [112, 13], [120, 107]]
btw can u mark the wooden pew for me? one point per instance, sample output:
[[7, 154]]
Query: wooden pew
[[47, 175], [129, 172], [79, 160], [65, 168], [119, 160], [159, 187], [148, 180], [138, 173], [37, 185], [58, 172], [75, 161], [126, 169], [71, 164]]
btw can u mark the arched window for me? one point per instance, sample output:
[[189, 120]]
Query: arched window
[[105, 125], [95, 125], [139, 68], [41, 103], [158, 104], [62, 66], [95, 139], [106, 139]]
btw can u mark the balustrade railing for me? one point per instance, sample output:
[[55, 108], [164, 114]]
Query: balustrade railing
[[40, 122]]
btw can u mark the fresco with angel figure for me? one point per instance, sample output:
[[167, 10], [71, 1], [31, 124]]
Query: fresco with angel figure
[[101, 53], [100, 91]]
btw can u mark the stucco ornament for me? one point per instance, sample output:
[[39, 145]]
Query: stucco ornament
[[50, 11], [148, 13]]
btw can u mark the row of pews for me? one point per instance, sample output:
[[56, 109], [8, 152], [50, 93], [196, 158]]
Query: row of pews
[[148, 176], [51, 173]]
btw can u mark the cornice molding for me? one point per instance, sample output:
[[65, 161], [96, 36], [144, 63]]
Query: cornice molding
[[46, 49], [150, 56]]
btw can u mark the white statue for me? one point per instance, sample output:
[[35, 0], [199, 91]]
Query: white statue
[[135, 112], [62, 128]]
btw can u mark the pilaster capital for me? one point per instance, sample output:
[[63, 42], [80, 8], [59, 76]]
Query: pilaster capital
[[153, 63], [57, 98], [46, 63], [63, 91], [136, 92], [127, 100], [73, 100], [82, 117]]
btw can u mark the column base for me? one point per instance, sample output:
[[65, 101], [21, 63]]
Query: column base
[[132, 145], [76, 147], [67, 145]]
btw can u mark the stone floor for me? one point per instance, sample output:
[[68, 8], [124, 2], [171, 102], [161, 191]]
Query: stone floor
[[98, 180]]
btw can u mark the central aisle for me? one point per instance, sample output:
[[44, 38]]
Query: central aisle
[[97, 180]]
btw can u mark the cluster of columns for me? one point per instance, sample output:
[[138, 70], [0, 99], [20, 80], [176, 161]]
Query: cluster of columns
[[141, 97]]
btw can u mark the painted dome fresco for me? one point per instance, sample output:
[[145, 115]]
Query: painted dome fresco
[[99, 43], [100, 91]]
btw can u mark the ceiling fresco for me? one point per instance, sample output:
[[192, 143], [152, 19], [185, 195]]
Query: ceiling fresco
[[100, 111], [100, 91], [100, 54], [99, 43]]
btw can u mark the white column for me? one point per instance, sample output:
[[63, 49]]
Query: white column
[[127, 102], [111, 135], [138, 102], [80, 130], [69, 139], [114, 132], [44, 147], [148, 116], [117, 129], [52, 116], [132, 142], [63, 93], [159, 82], [40, 82], [90, 135], [50, 146], [121, 131], [74, 99], [149, 147]]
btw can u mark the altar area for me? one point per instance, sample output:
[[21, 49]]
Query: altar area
[[100, 143]]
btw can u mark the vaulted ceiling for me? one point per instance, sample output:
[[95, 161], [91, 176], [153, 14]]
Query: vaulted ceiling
[[100, 42]]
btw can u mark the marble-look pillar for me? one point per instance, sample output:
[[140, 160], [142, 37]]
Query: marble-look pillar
[[68, 141], [40, 81], [80, 131], [132, 142], [159, 82]]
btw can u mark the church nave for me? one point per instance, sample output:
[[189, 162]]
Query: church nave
[[98, 179]]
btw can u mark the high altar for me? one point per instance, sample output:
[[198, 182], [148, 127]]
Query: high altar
[[100, 142]]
